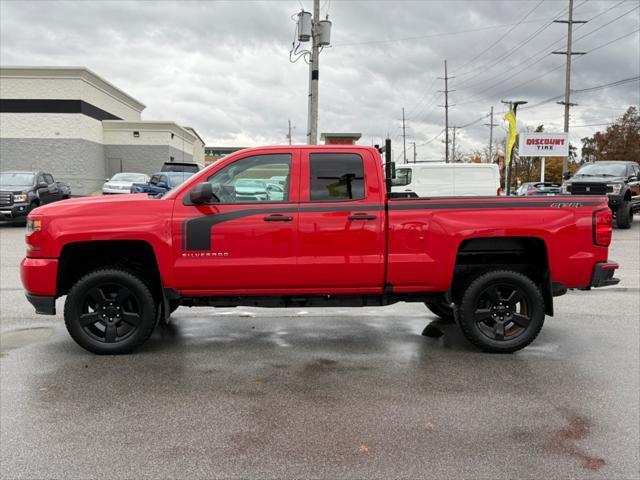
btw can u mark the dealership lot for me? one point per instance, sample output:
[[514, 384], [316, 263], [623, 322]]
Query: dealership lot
[[355, 393]]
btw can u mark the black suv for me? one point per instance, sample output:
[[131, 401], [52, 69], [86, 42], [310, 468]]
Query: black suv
[[616, 179], [21, 192]]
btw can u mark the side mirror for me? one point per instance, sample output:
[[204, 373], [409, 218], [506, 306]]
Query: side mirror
[[43, 185], [566, 176], [162, 185], [202, 193]]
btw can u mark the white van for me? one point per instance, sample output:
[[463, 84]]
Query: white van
[[447, 179]]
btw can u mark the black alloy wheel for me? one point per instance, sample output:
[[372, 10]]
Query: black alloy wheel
[[501, 311], [110, 311]]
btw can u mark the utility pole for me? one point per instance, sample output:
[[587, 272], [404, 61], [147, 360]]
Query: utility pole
[[415, 155], [453, 149], [404, 137], [314, 75], [289, 134], [491, 125], [567, 87], [310, 27], [446, 111]]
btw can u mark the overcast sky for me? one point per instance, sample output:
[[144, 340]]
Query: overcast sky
[[223, 67]]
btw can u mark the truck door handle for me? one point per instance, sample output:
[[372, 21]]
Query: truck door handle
[[278, 218], [362, 216]]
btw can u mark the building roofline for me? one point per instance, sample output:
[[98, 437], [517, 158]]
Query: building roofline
[[114, 125], [193, 130], [82, 73]]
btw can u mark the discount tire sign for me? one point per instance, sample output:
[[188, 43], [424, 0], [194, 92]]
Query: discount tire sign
[[543, 145]]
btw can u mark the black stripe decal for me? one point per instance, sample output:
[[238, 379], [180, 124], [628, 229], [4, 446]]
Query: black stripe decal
[[14, 105], [490, 204], [196, 232]]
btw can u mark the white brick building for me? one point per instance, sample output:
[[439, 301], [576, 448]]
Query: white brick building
[[76, 125]]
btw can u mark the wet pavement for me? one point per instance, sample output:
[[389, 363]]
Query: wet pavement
[[330, 393]]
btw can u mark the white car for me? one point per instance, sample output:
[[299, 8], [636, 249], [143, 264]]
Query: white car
[[447, 179], [121, 182]]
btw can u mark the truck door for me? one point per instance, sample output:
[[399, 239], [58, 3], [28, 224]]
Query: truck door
[[341, 223], [54, 189], [243, 242], [44, 190]]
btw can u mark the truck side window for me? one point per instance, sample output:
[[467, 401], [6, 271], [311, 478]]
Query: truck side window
[[403, 177], [48, 178], [336, 177], [257, 179]]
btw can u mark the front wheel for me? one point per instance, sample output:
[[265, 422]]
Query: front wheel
[[501, 311], [444, 310], [110, 311], [624, 215]]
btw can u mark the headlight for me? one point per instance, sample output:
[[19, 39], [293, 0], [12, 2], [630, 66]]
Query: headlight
[[34, 225], [615, 188], [20, 198], [565, 188]]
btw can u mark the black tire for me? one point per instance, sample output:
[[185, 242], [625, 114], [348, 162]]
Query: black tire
[[501, 311], [443, 310], [173, 306], [624, 215], [110, 311]]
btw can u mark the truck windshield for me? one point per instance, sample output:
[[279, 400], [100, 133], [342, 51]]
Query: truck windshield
[[603, 170], [11, 179]]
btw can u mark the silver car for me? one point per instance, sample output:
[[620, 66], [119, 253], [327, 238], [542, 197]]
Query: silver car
[[121, 182]]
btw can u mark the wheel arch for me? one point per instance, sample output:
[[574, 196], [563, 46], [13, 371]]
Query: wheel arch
[[136, 256], [524, 254]]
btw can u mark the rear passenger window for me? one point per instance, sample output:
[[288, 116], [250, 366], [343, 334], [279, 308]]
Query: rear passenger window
[[336, 177]]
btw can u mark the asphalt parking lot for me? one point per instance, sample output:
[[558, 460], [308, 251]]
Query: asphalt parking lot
[[348, 393]]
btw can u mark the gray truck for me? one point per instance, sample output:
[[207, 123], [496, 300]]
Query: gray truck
[[22, 191]]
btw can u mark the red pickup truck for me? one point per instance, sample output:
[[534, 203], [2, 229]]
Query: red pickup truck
[[311, 226]]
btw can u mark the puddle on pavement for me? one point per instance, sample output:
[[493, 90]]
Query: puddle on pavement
[[15, 339]]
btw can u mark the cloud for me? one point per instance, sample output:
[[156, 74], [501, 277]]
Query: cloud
[[223, 67]]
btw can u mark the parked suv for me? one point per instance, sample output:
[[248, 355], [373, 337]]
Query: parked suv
[[616, 179], [21, 192], [160, 183], [190, 167]]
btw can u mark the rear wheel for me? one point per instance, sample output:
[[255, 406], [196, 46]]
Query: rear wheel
[[444, 310], [501, 311], [110, 311], [624, 215]]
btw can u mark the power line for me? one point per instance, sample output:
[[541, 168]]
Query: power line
[[500, 38], [469, 100], [432, 35], [496, 61], [527, 67], [544, 50]]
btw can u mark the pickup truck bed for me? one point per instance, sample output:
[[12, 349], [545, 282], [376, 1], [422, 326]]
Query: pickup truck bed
[[494, 264]]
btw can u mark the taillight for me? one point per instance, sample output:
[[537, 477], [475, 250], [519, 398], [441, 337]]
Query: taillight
[[602, 228]]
